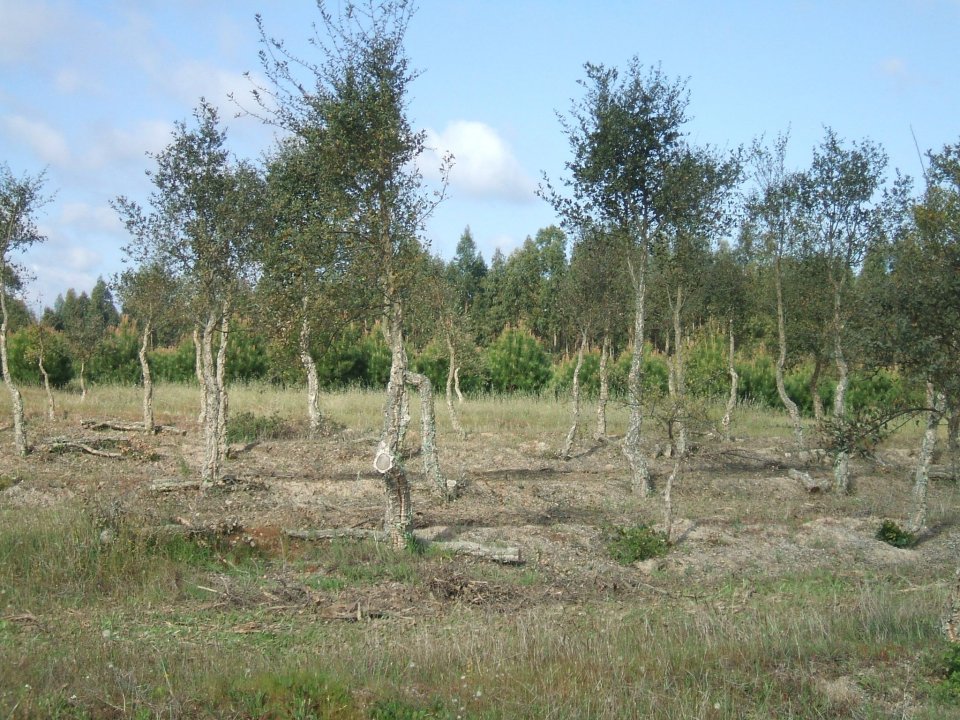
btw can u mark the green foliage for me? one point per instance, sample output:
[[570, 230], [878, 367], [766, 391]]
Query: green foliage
[[892, 534], [294, 695], [949, 686], [628, 545], [517, 363], [860, 432], [174, 364], [402, 710], [247, 356], [22, 354], [248, 427], [116, 358], [589, 374], [655, 373]]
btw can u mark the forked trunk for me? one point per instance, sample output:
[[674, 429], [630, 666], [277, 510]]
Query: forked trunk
[[600, 434], [451, 381], [734, 387], [16, 400], [575, 401], [935, 401], [313, 380], [640, 480], [148, 420], [788, 403]]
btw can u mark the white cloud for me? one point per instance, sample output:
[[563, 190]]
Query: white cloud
[[111, 144], [27, 26], [47, 142], [89, 218], [484, 165]]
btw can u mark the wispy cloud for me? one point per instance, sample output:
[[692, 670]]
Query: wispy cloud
[[46, 141], [484, 165]]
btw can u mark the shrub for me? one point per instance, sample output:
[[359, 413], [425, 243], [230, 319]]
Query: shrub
[[893, 534], [247, 427], [517, 363], [632, 544]]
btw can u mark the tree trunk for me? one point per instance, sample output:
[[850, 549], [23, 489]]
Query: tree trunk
[[398, 520], [148, 420], [953, 438], [935, 401], [814, 387], [51, 408], [83, 383], [788, 403], [210, 472], [313, 381], [575, 400], [16, 400], [678, 385], [428, 440], [841, 465], [451, 378], [456, 385], [201, 377], [668, 497], [221, 372], [734, 386], [640, 481], [600, 434]]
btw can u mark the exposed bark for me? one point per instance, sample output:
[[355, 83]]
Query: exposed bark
[[921, 481], [313, 381], [61, 444], [451, 380], [16, 400], [148, 418], [951, 621], [734, 387], [398, 520], [810, 484], [600, 434], [575, 401], [428, 430], [953, 438], [788, 403], [640, 480]]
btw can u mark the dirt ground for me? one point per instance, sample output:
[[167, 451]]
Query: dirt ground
[[738, 517]]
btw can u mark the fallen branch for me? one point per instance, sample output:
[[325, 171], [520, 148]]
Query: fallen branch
[[810, 484], [61, 444], [506, 555], [122, 426]]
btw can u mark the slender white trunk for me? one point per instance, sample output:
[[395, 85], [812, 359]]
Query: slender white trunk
[[16, 400], [575, 400], [83, 383], [935, 401], [456, 385], [313, 381], [815, 389], [841, 464], [201, 376], [51, 407], [600, 434], [734, 386], [451, 379], [678, 388], [221, 373], [788, 403], [148, 420], [640, 481], [668, 497]]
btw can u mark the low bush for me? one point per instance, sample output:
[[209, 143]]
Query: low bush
[[893, 534], [628, 545]]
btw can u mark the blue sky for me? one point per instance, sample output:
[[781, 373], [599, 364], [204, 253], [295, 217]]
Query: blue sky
[[89, 86]]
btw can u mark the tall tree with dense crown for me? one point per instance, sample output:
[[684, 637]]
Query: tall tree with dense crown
[[202, 227], [625, 138], [20, 199], [359, 96]]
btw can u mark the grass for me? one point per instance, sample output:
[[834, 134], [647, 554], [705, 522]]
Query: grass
[[168, 627]]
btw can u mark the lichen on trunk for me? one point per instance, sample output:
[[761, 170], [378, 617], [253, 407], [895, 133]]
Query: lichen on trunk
[[734, 387], [16, 400], [640, 473], [788, 403], [452, 374], [935, 403], [313, 382], [600, 433], [148, 418]]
